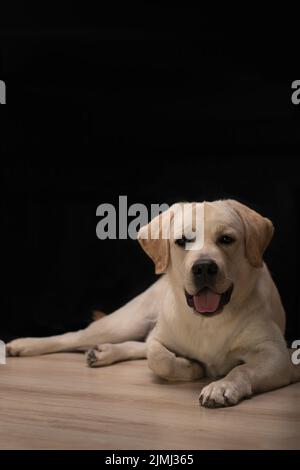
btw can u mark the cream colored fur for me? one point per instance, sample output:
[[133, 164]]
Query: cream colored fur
[[242, 347]]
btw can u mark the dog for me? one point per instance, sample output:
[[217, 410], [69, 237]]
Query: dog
[[215, 311]]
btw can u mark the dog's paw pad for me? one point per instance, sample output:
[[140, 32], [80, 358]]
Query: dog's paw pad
[[91, 357], [101, 355]]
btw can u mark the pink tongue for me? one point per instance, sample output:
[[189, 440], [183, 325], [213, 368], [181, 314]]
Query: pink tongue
[[206, 301]]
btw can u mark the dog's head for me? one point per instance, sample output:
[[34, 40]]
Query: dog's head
[[210, 250]]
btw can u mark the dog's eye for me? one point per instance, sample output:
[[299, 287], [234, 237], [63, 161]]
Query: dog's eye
[[225, 240], [183, 241]]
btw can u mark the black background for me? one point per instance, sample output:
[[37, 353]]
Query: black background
[[159, 104]]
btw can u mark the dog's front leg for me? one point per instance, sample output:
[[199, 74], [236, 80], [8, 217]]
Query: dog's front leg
[[265, 368], [167, 365]]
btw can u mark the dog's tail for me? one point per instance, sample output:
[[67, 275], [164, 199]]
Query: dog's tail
[[97, 314]]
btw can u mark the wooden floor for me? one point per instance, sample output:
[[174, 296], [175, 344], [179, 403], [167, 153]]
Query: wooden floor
[[57, 402]]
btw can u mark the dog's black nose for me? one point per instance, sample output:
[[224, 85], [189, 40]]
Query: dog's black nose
[[205, 269]]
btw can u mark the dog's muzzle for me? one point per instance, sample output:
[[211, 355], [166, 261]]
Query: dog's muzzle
[[207, 301]]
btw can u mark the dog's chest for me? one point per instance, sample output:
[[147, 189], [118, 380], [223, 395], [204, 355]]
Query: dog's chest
[[204, 342]]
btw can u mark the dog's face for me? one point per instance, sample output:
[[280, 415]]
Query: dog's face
[[208, 249]]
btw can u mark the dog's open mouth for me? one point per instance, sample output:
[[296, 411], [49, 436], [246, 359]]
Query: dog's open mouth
[[208, 302]]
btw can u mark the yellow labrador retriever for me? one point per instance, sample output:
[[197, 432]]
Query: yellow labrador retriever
[[215, 312]]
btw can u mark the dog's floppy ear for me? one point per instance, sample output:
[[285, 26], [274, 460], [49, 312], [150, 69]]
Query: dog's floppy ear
[[258, 232], [155, 239]]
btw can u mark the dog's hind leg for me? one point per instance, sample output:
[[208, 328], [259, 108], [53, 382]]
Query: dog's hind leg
[[106, 354], [132, 322]]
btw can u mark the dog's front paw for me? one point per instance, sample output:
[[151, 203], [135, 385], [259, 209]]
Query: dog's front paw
[[223, 393], [24, 347]]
